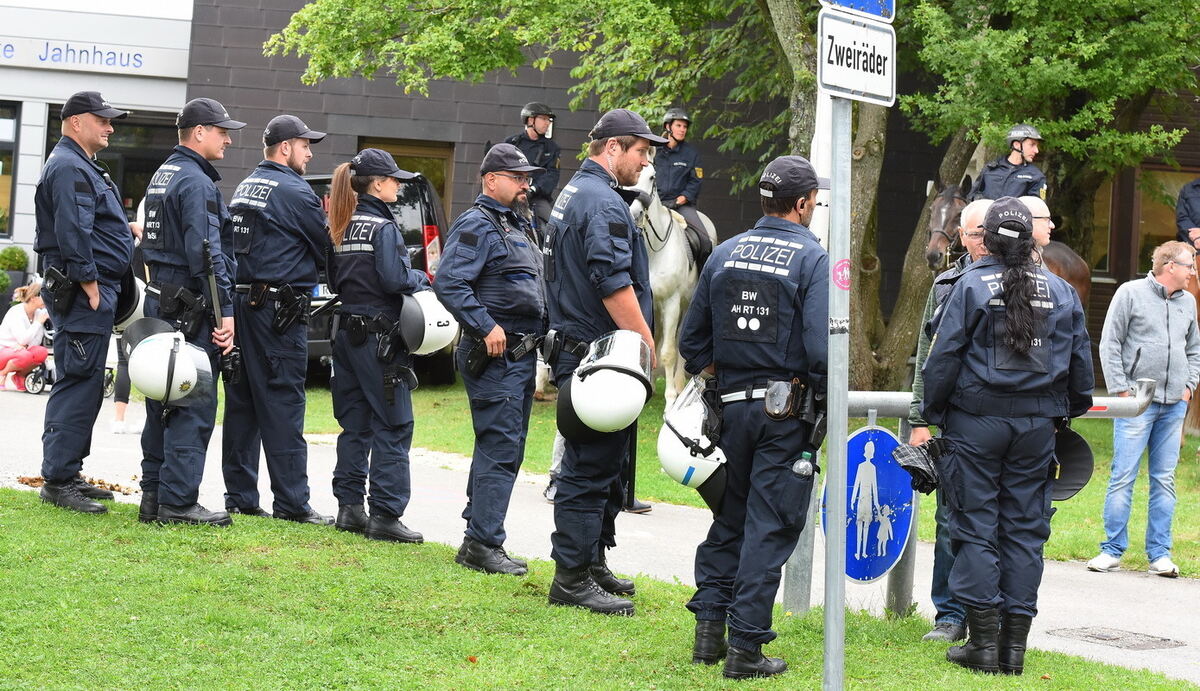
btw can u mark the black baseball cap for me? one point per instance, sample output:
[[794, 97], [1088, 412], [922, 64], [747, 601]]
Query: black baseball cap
[[378, 162], [620, 122], [505, 156], [1010, 217], [284, 127], [790, 176], [90, 102], [205, 111]]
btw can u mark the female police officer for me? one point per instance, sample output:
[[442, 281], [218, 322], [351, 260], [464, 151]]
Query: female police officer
[[1010, 359], [371, 386]]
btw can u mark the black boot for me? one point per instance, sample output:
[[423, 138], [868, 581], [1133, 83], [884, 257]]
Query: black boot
[[710, 646], [91, 491], [1014, 631], [745, 664], [68, 496], [979, 652], [605, 578], [310, 517], [148, 511], [575, 588], [194, 514], [351, 518], [251, 511], [480, 557], [389, 528]]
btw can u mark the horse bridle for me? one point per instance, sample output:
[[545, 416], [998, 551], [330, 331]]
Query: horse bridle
[[645, 198], [950, 239]]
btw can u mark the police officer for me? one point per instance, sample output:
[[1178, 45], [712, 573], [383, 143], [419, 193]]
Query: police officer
[[490, 279], [759, 320], [1014, 174], [538, 146], [678, 174], [372, 385], [598, 280], [1010, 359], [84, 240], [183, 209], [1187, 214], [280, 242]]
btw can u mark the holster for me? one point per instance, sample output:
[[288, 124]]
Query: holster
[[231, 366], [61, 289], [188, 309], [551, 344], [477, 359], [785, 399], [355, 327], [390, 341], [291, 306], [812, 411], [397, 374]]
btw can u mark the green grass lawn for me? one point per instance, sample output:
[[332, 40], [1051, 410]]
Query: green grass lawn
[[443, 423], [107, 602]]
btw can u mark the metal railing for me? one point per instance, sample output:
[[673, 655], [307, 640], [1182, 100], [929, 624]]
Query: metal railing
[[797, 584]]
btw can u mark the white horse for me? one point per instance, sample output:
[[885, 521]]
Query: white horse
[[673, 273]]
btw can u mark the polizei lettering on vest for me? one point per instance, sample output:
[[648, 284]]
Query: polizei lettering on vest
[[855, 57]]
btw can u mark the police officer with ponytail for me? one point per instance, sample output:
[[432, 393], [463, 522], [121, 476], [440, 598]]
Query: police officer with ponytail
[[759, 322], [490, 278], [1010, 360], [280, 241], [372, 372]]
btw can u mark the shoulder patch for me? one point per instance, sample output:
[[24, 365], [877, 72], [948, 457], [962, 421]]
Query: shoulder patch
[[618, 230], [82, 187], [213, 207], [468, 239], [700, 172]]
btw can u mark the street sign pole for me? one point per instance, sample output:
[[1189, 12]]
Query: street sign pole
[[836, 397]]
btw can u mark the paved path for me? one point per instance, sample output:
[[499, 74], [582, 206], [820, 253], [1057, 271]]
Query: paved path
[[661, 544]]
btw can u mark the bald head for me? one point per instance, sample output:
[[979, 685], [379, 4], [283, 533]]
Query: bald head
[[970, 234], [1042, 225]]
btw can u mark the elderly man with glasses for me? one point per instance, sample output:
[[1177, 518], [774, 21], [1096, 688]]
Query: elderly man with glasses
[[1149, 332]]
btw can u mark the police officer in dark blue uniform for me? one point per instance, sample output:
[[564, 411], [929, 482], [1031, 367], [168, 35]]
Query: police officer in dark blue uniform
[[1010, 359], [372, 373], [759, 321], [1187, 214], [538, 146], [183, 209], [678, 175], [279, 241], [598, 280], [490, 278], [1014, 174], [85, 246]]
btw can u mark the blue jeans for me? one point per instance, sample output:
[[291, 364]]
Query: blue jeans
[[1160, 427]]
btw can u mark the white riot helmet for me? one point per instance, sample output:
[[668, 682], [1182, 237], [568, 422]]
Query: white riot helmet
[[130, 302], [685, 453], [425, 325], [165, 367], [609, 388]]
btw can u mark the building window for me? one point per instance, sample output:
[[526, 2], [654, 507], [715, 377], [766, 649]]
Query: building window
[[1158, 190], [1101, 236], [8, 160], [435, 161]]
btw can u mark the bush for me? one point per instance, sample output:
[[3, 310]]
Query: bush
[[4, 283], [13, 258]]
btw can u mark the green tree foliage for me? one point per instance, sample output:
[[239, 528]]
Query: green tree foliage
[[640, 54]]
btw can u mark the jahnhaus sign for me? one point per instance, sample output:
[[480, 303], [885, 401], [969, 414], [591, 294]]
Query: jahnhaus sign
[[93, 57]]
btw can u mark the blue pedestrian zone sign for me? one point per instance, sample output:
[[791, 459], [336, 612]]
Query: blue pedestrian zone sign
[[879, 505], [871, 9]]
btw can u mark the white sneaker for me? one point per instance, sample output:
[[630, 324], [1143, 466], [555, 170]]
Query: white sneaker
[[1163, 566], [1104, 563]]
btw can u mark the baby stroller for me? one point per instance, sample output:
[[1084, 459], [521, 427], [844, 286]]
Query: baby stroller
[[42, 377]]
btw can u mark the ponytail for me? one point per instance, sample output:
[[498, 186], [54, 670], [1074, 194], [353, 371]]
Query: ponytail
[[342, 200], [1021, 320], [24, 294]]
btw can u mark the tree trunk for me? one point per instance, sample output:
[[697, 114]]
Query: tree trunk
[[866, 318], [794, 33]]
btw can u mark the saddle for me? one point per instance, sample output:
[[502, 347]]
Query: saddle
[[699, 244]]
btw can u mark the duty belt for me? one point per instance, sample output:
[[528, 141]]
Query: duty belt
[[574, 347], [749, 393], [273, 290]]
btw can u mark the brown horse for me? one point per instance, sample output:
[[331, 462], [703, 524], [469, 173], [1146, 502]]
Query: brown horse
[[1062, 261], [943, 223]]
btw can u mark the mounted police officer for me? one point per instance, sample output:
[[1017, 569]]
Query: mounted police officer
[[598, 281], [678, 174], [372, 372], [1013, 175], [1010, 360], [539, 147], [184, 209], [85, 245], [759, 322], [280, 242], [490, 279]]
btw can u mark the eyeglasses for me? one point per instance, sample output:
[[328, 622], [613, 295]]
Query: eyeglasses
[[1041, 218], [974, 235], [820, 204], [1189, 267], [520, 179]]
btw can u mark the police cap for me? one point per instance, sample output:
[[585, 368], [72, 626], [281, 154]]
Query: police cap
[[1008, 216], [790, 176], [90, 102], [620, 122], [378, 162], [507, 157], [205, 111], [284, 127]]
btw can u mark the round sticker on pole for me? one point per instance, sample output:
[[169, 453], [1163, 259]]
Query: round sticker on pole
[[841, 274]]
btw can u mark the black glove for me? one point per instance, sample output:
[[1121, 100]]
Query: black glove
[[1061, 423], [920, 462]]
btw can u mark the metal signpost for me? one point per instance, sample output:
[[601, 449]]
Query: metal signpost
[[856, 60]]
